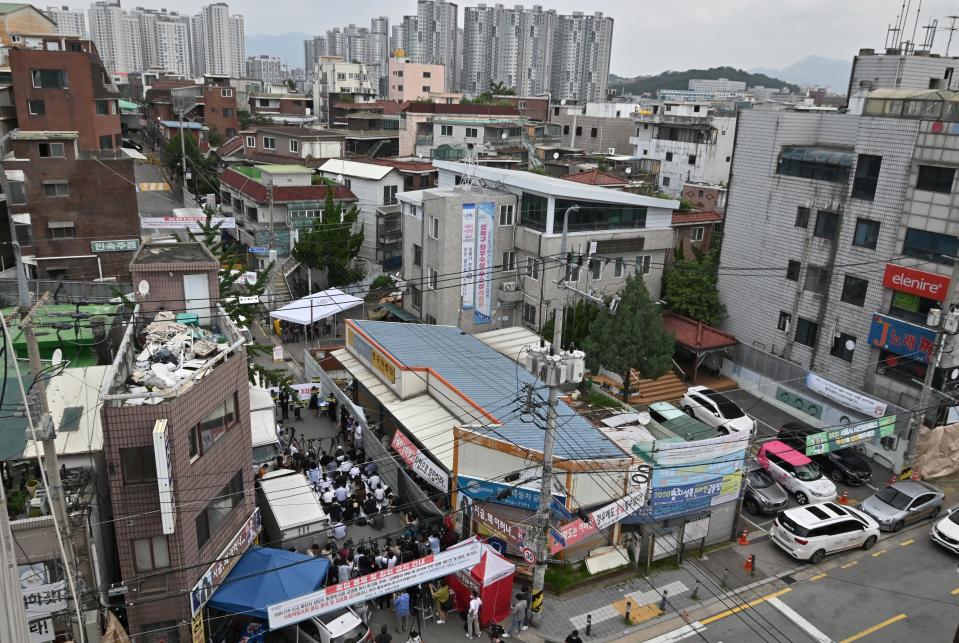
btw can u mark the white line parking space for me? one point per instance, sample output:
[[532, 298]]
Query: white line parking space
[[799, 621]]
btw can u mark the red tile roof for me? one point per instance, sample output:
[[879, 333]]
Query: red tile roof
[[689, 218], [257, 191], [232, 145], [696, 336], [597, 177], [408, 166], [266, 157]]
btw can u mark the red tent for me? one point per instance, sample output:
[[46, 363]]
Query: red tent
[[492, 579]]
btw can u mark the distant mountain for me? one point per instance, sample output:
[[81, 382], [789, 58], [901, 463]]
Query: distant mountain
[[680, 80], [814, 70], [287, 46]]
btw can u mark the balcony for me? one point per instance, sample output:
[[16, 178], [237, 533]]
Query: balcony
[[425, 140], [510, 292]]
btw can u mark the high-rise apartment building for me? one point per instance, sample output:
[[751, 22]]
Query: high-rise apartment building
[[116, 34], [581, 53], [70, 22], [436, 38], [370, 47], [266, 68], [224, 47]]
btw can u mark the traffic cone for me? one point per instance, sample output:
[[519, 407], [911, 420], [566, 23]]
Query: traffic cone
[[748, 564], [844, 498], [893, 479], [744, 537]]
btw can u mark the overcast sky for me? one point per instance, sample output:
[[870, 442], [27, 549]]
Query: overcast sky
[[648, 36]]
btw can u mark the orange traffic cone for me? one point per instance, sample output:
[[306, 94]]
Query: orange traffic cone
[[744, 537], [748, 564], [844, 498]]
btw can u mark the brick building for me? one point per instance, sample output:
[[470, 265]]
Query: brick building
[[291, 144], [213, 103], [282, 108], [63, 86], [75, 210], [166, 549]]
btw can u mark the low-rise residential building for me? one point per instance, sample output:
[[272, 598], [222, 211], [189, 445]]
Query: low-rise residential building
[[211, 103], [416, 119], [411, 81], [274, 202], [690, 140], [695, 230], [282, 107], [504, 240], [705, 196], [337, 80], [291, 144], [603, 128]]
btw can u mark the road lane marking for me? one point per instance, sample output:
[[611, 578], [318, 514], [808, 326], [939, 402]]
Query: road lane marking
[[679, 634], [799, 621], [906, 543], [874, 628], [872, 487], [740, 608], [813, 579], [849, 564], [154, 186], [880, 553]]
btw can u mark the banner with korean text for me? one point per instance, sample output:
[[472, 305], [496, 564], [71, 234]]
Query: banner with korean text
[[420, 462], [483, 313], [469, 255], [370, 586], [576, 530]]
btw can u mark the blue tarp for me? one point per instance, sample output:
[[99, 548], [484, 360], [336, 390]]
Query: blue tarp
[[264, 576]]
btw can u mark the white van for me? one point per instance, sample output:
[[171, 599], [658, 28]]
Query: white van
[[266, 444], [338, 626]]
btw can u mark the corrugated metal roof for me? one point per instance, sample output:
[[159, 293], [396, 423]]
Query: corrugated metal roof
[[492, 381], [356, 170], [509, 341]]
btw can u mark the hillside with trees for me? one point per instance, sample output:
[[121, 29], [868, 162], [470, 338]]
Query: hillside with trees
[[680, 80]]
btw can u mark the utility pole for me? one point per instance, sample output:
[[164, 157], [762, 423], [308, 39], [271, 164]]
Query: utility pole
[[946, 325], [273, 253]]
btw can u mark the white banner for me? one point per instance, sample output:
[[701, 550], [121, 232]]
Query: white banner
[[41, 630], [41, 600], [676, 453], [469, 258], [372, 585], [191, 223], [483, 313], [163, 459], [420, 462], [847, 397]]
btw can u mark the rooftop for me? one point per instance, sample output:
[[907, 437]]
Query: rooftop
[[73, 402], [354, 169], [695, 335], [253, 189], [699, 216], [185, 125], [461, 108], [43, 135], [597, 177], [298, 131], [181, 252], [489, 380]]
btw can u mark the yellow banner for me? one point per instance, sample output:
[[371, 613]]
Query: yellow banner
[[198, 633]]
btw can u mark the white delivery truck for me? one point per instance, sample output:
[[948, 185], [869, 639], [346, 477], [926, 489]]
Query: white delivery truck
[[266, 444], [292, 514]]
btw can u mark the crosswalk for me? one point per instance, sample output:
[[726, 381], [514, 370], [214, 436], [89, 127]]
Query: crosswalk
[[154, 186]]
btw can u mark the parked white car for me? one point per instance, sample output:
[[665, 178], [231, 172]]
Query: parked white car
[[797, 473], [812, 531], [946, 531], [715, 410]]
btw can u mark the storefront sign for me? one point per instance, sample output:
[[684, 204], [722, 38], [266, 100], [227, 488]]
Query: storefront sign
[[42, 600], [190, 223], [510, 532], [163, 458], [420, 462], [41, 630], [379, 583], [847, 397], [916, 282], [383, 365], [197, 628], [576, 530], [487, 490], [469, 255], [208, 583], [902, 338], [374, 357], [841, 438], [120, 245]]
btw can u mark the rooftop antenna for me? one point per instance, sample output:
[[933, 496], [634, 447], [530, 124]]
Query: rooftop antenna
[[930, 35], [915, 25], [470, 160], [951, 29]]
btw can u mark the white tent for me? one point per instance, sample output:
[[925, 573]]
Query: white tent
[[313, 308]]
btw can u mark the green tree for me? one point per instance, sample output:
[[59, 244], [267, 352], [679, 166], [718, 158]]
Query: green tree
[[576, 321], [291, 84], [499, 89], [248, 120], [332, 244], [632, 338], [201, 168], [690, 286], [215, 138]]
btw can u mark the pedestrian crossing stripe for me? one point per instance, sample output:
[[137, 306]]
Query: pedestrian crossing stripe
[[156, 186]]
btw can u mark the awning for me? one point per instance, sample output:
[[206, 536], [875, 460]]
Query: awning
[[316, 307], [264, 576], [23, 218], [695, 335], [399, 312]]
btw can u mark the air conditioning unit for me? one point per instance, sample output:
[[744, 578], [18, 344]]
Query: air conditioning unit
[[508, 286]]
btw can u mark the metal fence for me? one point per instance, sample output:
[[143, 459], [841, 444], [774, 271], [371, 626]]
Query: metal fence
[[64, 292]]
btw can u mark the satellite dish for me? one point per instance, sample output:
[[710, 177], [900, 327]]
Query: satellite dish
[[504, 135], [339, 178], [143, 288], [562, 102], [419, 154], [555, 155], [629, 170], [57, 357], [850, 345]]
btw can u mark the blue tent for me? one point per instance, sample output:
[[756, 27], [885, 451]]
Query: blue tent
[[264, 576]]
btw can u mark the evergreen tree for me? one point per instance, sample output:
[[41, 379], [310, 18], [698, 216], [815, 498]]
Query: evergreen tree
[[690, 286], [332, 244], [632, 338], [576, 321]]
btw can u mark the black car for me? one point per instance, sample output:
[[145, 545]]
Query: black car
[[129, 143], [841, 465]]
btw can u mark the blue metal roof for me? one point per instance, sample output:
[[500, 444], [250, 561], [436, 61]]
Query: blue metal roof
[[492, 381], [185, 125]]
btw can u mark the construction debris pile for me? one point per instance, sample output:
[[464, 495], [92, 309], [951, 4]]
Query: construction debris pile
[[173, 354]]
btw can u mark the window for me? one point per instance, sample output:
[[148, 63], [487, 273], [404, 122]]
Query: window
[[471, 132], [416, 298], [593, 132], [692, 159], [792, 270], [579, 130], [251, 141], [399, 87], [817, 280], [434, 228], [294, 146], [398, 73], [434, 279], [935, 179], [931, 246], [348, 183], [802, 217], [841, 347], [427, 74], [854, 290], [49, 78], [106, 142], [785, 319], [820, 164], [426, 89], [827, 225], [269, 143], [669, 156], [619, 267], [556, 111], [417, 255], [598, 216], [522, 104], [509, 260], [867, 177], [214, 426], [529, 314], [228, 113], [61, 229], [532, 268], [565, 129], [226, 93], [696, 234], [36, 107], [150, 554], [507, 215], [900, 367], [16, 194], [56, 188], [643, 264], [867, 234], [596, 269], [911, 307], [446, 130], [138, 465], [103, 107], [215, 514], [806, 332], [389, 194]]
